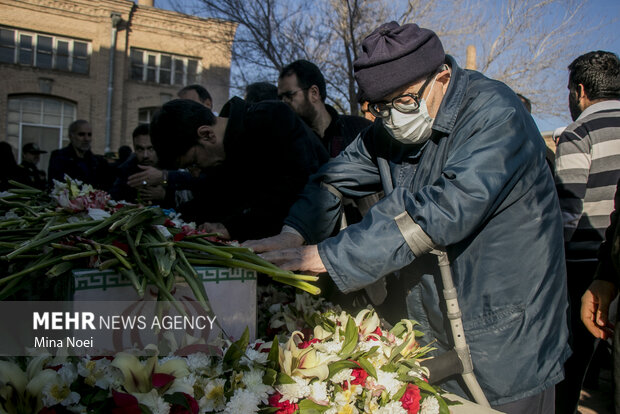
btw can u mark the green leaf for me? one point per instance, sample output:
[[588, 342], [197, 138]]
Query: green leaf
[[269, 378], [237, 349], [338, 366], [400, 393], [368, 367], [350, 338], [177, 399], [273, 358], [310, 407], [284, 379]]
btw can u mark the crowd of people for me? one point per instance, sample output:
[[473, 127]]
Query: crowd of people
[[453, 162]]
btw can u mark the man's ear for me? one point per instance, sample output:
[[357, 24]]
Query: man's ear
[[581, 91], [443, 77], [205, 132], [314, 94]]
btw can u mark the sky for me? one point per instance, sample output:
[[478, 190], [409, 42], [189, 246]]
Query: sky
[[605, 38]]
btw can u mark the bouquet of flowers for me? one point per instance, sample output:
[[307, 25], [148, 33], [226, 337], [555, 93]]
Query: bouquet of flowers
[[348, 365]]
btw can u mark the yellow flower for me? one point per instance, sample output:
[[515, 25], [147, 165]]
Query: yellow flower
[[305, 363], [137, 376]]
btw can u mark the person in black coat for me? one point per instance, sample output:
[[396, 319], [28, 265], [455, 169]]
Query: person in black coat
[[9, 170], [31, 155], [77, 160], [257, 157]]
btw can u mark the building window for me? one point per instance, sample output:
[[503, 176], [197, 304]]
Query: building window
[[165, 69], [43, 51], [42, 120], [146, 114]]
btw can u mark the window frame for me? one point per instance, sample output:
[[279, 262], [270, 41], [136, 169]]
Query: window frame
[[152, 70]]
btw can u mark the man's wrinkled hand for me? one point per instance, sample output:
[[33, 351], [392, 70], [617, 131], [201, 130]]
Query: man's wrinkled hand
[[148, 176], [218, 228], [595, 308], [278, 242], [152, 193], [303, 259]]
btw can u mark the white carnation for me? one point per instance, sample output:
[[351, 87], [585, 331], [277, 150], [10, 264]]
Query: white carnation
[[318, 391], [389, 381], [198, 362], [253, 356], [294, 392], [342, 376], [253, 381], [243, 401], [430, 405], [393, 407]]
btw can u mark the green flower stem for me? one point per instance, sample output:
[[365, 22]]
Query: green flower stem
[[313, 290], [260, 269], [80, 255], [76, 225], [133, 278], [118, 256], [41, 265], [34, 244], [207, 249]]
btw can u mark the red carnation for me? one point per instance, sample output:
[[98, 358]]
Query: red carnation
[[284, 407], [411, 399], [359, 377]]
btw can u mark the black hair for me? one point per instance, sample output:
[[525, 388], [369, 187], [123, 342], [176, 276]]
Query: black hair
[[202, 92], [261, 91], [308, 74], [73, 126], [598, 72], [142, 129], [174, 129]]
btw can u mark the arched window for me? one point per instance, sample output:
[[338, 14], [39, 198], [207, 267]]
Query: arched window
[[42, 120]]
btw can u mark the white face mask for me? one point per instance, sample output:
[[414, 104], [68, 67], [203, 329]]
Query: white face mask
[[414, 128]]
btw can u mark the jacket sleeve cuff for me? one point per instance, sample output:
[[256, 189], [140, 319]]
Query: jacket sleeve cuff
[[418, 241]]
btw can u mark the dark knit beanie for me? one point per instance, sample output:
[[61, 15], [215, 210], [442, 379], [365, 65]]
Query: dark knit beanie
[[394, 56]]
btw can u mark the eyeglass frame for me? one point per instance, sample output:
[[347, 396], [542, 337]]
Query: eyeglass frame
[[290, 94], [410, 108]]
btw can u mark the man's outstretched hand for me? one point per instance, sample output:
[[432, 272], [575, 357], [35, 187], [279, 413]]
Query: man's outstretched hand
[[595, 308], [286, 250]]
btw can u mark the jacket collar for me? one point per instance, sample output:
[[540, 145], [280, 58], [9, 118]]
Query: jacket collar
[[452, 100], [600, 106]]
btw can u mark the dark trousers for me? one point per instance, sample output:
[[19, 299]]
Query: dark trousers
[[541, 403], [616, 356], [567, 392]]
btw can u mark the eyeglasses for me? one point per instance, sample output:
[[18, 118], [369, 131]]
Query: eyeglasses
[[288, 95], [406, 103], [84, 134]]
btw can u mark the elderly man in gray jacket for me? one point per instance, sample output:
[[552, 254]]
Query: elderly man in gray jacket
[[463, 169]]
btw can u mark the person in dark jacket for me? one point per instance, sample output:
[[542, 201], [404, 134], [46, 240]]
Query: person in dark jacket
[[596, 302], [463, 169], [144, 155], [77, 160], [31, 155], [302, 86], [9, 169], [257, 157]]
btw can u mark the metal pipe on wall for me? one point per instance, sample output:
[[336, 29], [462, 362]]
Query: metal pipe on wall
[[116, 20]]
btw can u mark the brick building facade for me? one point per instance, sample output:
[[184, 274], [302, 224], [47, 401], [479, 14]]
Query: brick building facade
[[111, 62]]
